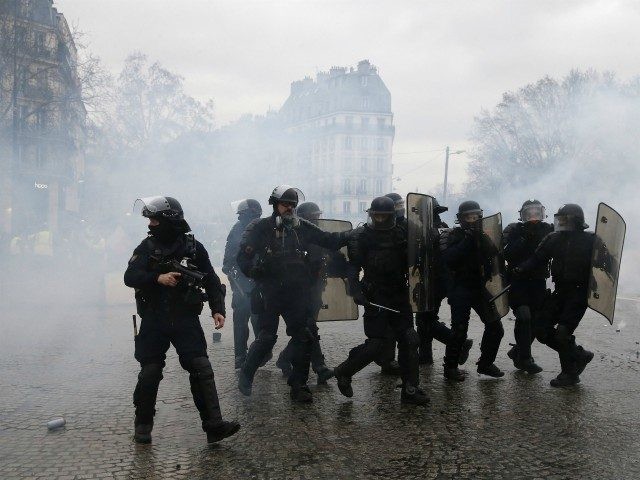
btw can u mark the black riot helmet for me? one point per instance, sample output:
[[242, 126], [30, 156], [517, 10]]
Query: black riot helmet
[[398, 203], [532, 211], [469, 212], [309, 211], [437, 208], [249, 208], [168, 212], [160, 207], [286, 194], [570, 217], [382, 214]]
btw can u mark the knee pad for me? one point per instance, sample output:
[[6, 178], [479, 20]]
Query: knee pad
[[410, 338], [303, 335], [198, 367], [523, 313], [151, 372], [266, 338]]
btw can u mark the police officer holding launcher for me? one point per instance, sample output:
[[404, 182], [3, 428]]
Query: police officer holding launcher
[[241, 286], [274, 254], [528, 289], [168, 270], [380, 250]]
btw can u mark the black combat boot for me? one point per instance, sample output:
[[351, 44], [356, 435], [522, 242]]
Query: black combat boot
[[344, 384], [490, 369], [525, 364], [565, 380], [244, 383], [284, 365], [324, 373], [266, 358], [221, 431], [392, 369], [453, 373], [413, 396], [464, 352], [584, 357], [301, 394], [143, 433]]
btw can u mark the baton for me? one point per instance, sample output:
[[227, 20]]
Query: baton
[[135, 326], [237, 285], [383, 307], [500, 293]]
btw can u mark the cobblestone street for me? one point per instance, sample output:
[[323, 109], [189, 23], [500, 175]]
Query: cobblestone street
[[78, 363]]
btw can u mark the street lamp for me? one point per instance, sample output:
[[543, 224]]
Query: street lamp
[[446, 172]]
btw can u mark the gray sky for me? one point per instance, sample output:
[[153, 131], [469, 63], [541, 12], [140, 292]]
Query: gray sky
[[442, 61]]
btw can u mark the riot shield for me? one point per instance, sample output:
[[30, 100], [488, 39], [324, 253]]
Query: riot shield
[[492, 262], [420, 251], [336, 303], [605, 261]]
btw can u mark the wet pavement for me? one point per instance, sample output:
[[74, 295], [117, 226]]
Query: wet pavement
[[78, 363]]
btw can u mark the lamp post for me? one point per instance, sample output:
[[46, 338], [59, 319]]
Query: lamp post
[[446, 172]]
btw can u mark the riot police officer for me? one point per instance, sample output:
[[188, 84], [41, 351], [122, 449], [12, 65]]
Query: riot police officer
[[168, 270], [527, 292], [427, 323], [320, 260], [241, 286], [569, 248], [273, 252], [380, 250], [468, 254]]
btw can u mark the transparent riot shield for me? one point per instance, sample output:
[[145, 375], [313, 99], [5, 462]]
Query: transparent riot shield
[[336, 303], [420, 251], [605, 261], [492, 261]]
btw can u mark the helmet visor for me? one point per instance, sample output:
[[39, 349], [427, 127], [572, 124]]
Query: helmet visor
[[470, 217], [151, 207], [381, 221], [532, 213], [565, 223]]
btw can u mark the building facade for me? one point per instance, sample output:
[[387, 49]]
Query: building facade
[[42, 117], [340, 135]]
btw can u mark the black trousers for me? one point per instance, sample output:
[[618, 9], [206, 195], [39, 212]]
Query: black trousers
[[157, 333], [289, 301], [526, 299], [241, 305], [429, 327], [377, 324], [463, 298], [558, 320]]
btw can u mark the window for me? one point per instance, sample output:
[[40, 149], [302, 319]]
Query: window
[[378, 186], [362, 207], [380, 144], [348, 120], [365, 102], [364, 143], [380, 164], [363, 164], [382, 121], [347, 143], [346, 186], [362, 186], [365, 123], [363, 80], [346, 207], [40, 40]]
